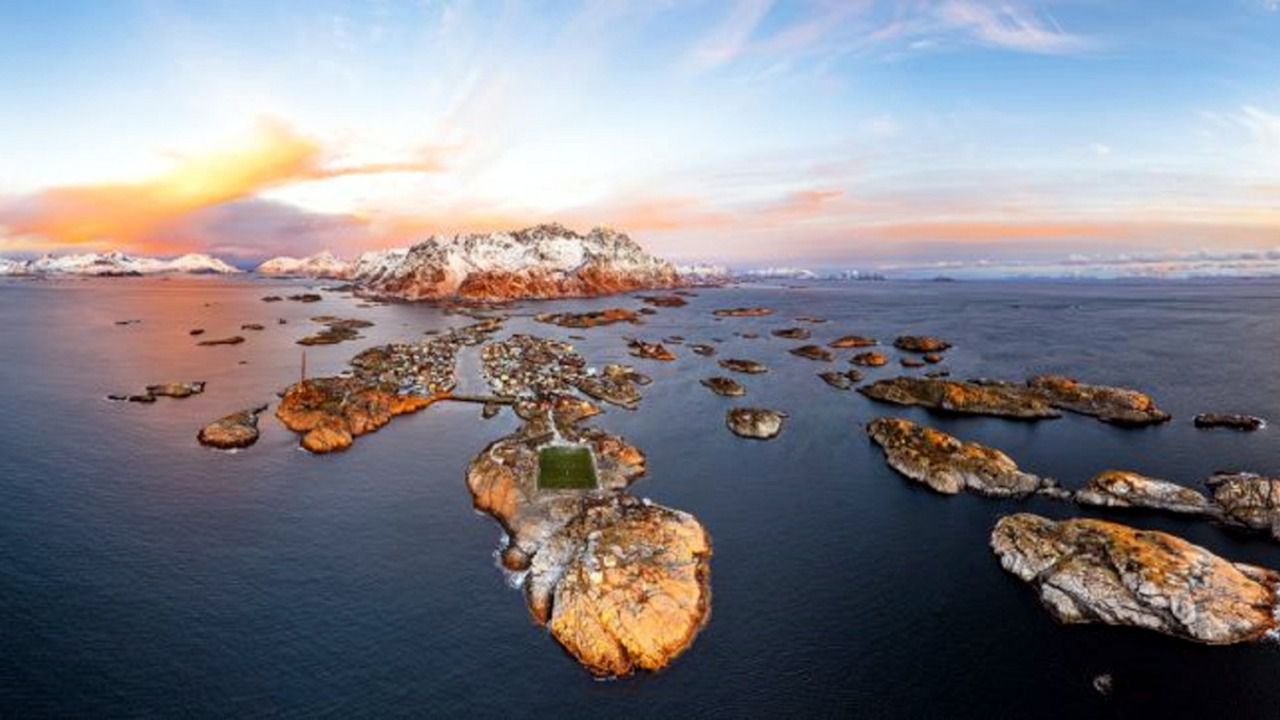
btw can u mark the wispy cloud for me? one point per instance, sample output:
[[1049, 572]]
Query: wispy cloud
[[1010, 26], [728, 39]]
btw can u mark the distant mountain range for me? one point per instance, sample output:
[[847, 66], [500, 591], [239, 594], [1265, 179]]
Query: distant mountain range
[[792, 273], [543, 261], [113, 264]]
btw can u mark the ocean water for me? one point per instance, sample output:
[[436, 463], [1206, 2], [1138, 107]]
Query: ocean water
[[142, 575]]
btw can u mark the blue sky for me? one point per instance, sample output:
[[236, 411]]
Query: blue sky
[[751, 132]]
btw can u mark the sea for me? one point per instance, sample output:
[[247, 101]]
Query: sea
[[142, 575]]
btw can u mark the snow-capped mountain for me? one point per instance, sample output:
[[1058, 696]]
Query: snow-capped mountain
[[373, 265], [12, 267], [704, 274], [778, 273], [321, 265], [545, 261], [114, 263]]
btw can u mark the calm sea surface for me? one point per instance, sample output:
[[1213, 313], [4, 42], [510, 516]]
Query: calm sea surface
[[144, 575]]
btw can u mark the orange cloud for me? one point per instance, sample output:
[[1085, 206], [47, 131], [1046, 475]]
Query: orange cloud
[[136, 213], [801, 204]]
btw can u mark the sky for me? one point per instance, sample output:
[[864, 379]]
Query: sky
[[751, 133]]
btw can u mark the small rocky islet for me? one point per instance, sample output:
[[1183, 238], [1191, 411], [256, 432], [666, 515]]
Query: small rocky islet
[[755, 423], [813, 352], [724, 386], [1232, 421], [870, 359], [744, 366], [231, 340], [841, 380], [852, 341], [336, 330], [176, 389], [921, 344], [594, 318], [650, 351], [235, 431], [742, 312], [792, 333]]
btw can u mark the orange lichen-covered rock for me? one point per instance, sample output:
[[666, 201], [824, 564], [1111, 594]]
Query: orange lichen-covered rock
[[741, 365], [869, 359], [636, 592], [237, 430], [949, 465], [1248, 499], [1040, 397], [1093, 571], [651, 351], [589, 319], [852, 341], [743, 312], [813, 352], [332, 411], [1121, 488], [755, 423], [921, 343], [1004, 400], [621, 583], [329, 436], [1109, 404]]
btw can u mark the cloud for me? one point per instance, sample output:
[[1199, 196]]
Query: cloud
[[728, 39], [1009, 26], [799, 205], [1264, 126], [257, 229], [141, 213]]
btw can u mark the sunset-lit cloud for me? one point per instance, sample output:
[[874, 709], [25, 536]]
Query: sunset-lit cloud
[[140, 212]]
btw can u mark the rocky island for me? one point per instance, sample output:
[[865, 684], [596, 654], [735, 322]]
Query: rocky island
[[741, 365], [948, 465], [723, 386], [237, 430], [1233, 421], [1038, 398], [1093, 571], [1120, 488], [622, 583], [1249, 500], [755, 423], [589, 319]]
